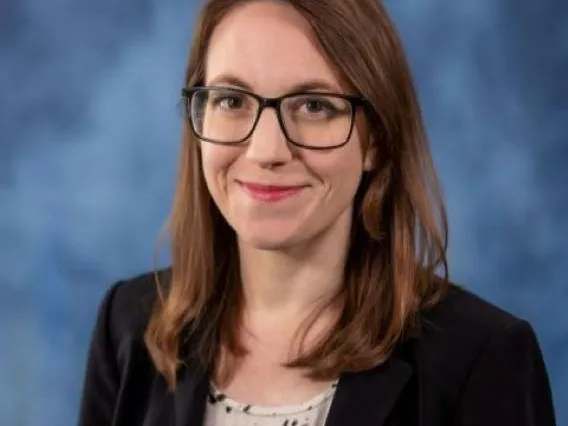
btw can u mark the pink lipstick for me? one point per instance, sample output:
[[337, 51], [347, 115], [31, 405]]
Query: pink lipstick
[[270, 193]]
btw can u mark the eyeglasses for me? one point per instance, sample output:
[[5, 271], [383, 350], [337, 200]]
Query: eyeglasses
[[313, 120]]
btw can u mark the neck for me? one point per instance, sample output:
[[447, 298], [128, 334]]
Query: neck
[[292, 282]]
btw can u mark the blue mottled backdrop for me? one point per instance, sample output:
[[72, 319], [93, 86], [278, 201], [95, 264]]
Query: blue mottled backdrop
[[89, 131]]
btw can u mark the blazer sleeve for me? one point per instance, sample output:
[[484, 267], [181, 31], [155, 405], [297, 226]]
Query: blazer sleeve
[[508, 385], [102, 377]]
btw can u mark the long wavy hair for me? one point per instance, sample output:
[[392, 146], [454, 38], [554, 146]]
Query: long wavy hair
[[396, 264]]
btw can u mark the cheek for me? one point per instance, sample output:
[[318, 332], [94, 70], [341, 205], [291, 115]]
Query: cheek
[[216, 162], [340, 170], [345, 181]]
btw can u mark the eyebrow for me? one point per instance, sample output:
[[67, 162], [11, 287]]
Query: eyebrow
[[304, 86]]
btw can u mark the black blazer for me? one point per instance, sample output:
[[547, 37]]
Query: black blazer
[[473, 365]]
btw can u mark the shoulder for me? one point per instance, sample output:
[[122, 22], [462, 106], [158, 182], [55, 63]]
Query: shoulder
[[117, 358], [127, 305], [483, 361], [465, 313], [465, 333], [463, 324]]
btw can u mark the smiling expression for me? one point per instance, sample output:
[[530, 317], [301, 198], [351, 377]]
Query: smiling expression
[[274, 194]]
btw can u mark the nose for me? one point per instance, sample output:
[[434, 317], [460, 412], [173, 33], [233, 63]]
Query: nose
[[267, 145]]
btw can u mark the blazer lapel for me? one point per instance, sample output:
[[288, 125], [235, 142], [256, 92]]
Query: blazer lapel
[[366, 398], [190, 397], [183, 407]]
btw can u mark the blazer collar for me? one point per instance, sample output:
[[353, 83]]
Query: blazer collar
[[190, 397], [368, 396]]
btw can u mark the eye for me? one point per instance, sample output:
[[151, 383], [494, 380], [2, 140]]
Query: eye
[[315, 106], [228, 101]]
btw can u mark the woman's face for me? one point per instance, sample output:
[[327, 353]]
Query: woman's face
[[270, 48]]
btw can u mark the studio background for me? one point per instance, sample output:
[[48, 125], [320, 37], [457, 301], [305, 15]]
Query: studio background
[[89, 138]]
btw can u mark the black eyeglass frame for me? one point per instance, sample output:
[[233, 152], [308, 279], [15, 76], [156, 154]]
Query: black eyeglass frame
[[355, 101]]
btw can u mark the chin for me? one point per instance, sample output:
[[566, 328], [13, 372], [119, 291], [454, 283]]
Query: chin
[[268, 239]]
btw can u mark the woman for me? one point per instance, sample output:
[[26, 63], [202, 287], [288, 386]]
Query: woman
[[309, 278]]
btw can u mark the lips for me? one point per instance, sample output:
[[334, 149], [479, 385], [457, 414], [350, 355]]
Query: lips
[[270, 193]]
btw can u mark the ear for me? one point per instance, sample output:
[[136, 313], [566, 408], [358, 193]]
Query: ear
[[370, 156]]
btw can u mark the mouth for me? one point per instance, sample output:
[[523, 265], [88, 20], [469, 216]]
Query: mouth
[[270, 193]]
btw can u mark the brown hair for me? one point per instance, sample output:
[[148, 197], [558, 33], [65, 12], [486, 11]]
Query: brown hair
[[399, 237]]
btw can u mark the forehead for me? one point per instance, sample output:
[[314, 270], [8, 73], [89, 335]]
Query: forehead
[[269, 45]]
